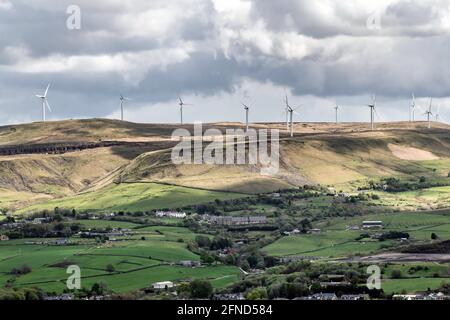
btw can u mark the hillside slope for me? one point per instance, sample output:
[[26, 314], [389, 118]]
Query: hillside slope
[[345, 156]]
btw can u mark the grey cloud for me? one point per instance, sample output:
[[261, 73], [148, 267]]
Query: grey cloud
[[341, 57]]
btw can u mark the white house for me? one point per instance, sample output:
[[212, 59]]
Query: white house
[[171, 214], [372, 224], [163, 285]]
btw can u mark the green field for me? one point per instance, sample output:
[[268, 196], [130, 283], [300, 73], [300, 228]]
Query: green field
[[137, 263], [326, 244], [220, 276], [133, 197], [101, 224], [335, 240], [412, 285]]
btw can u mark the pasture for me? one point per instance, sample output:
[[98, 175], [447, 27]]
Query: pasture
[[123, 265], [336, 240], [133, 197]]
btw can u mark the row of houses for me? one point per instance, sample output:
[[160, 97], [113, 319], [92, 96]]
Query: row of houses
[[234, 221], [170, 214], [287, 259], [376, 224], [333, 296], [430, 296], [55, 242]]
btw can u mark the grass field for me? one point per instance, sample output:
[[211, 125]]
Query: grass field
[[135, 197], [220, 276], [420, 225], [326, 244], [91, 224], [137, 263], [9, 198], [335, 240], [412, 285], [423, 199]]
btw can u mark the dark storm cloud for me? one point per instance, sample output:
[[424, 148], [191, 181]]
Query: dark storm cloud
[[154, 50]]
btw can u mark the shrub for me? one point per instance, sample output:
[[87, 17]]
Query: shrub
[[200, 289], [396, 274], [259, 293]]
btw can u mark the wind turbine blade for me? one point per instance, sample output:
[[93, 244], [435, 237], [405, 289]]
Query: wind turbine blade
[[376, 113], [46, 90], [39, 96], [48, 106]]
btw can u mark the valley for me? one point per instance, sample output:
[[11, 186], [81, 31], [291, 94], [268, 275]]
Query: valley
[[91, 198]]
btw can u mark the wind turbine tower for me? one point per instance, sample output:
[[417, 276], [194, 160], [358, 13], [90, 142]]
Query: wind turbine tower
[[246, 108], [336, 109], [372, 112], [412, 109], [44, 102], [286, 101], [429, 113], [122, 100], [290, 112], [182, 104]]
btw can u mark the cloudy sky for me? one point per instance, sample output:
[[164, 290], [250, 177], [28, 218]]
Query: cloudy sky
[[219, 53]]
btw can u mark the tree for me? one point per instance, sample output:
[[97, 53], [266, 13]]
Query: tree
[[221, 243], [203, 241], [59, 227], [206, 258], [259, 293], [99, 288], [396, 274], [201, 289], [110, 268]]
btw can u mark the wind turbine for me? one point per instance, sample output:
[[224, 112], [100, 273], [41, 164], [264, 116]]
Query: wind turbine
[[372, 111], [290, 112], [428, 113], [286, 101], [122, 100], [412, 109], [336, 109], [182, 104], [437, 113], [246, 108], [44, 102]]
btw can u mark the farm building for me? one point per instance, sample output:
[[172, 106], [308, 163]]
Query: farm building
[[170, 214], [163, 285], [190, 264], [235, 220], [372, 224]]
